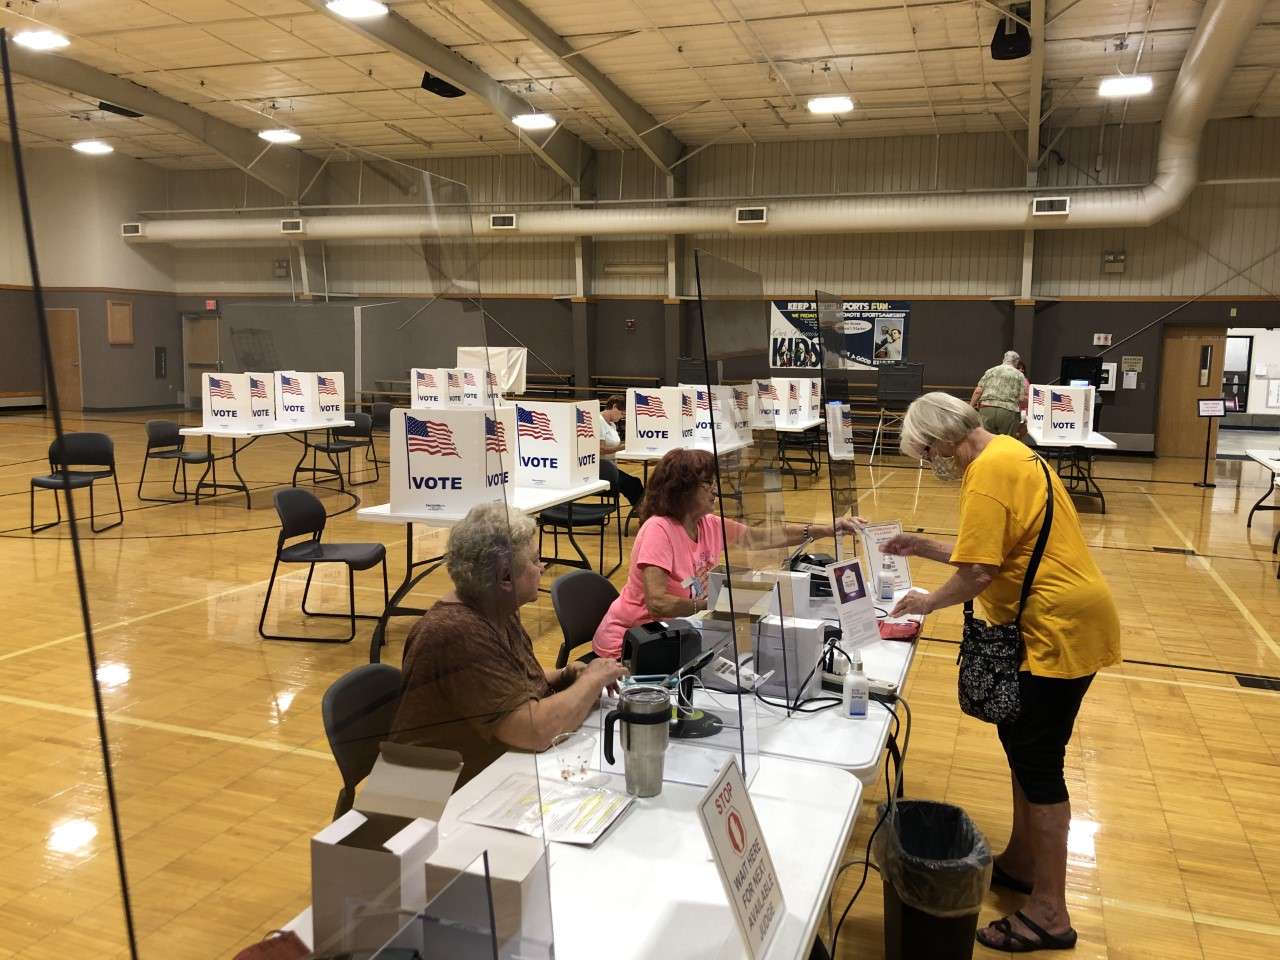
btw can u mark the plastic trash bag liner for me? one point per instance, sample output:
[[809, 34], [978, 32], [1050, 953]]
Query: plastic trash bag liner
[[935, 856]]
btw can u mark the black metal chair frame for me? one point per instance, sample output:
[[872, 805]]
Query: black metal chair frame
[[344, 440], [170, 451], [75, 479], [351, 591], [612, 497]]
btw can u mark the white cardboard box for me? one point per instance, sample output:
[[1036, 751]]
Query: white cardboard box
[[558, 445], [1060, 413], [226, 401], [262, 399], [446, 461], [659, 420], [330, 396], [766, 403], [295, 397]]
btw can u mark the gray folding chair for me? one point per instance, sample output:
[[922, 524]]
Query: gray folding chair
[[580, 600], [358, 710], [78, 450], [302, 514], [572, 518], [344, 440], [164, 442]]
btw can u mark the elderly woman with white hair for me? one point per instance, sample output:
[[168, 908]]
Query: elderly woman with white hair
[[1001, 396], [1021, 551], [471, 681]]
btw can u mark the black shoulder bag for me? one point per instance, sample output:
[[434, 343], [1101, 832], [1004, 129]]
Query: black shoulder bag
[[990, 654]]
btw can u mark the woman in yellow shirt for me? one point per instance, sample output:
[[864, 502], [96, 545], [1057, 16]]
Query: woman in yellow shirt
[[1070, 630]]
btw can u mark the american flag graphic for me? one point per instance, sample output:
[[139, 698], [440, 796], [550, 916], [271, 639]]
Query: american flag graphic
[[453, 380], [793, 393], [1061, 403], [647, 406], [469, 378], [846, 419], [221, 389], [704, 400], [426, 379], [767, 390], [429, 436], [257, 389], [534, 424], [290, 385], [495, 435], [741, 400], [326, 386], [585, 428], [492, 379], [686, 405]]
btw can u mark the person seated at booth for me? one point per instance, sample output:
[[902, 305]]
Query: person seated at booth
[[681, 538], [612, 410], [471, 681]]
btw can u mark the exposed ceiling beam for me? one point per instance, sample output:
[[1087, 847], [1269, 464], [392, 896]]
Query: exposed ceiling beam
[[284, 169], [560, 149], [659, 143], [1036, 82]]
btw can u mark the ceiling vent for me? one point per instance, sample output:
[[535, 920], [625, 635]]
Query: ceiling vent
[[1051, 206], [440, 87], [752, 215], [131, 230], [291, 226], [502, 221]]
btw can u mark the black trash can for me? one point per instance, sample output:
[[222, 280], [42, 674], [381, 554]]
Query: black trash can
[[935, 866]]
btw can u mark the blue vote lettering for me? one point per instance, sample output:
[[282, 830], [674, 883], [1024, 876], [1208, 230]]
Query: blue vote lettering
[[328, 408], [793, 411], [703, 424], [293, 408], [551, 463], [436, 483], [586, 458], [1064, 424], [686, 434], [225, 413], [260, 413], [497, 479], [1037, 416], [653, 434], [429, 397]]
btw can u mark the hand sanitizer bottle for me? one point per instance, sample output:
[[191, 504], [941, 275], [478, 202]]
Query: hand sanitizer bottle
[[856, 693], [888, 579]]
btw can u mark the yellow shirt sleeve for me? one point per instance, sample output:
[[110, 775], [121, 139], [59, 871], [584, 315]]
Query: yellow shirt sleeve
[[986, 532]]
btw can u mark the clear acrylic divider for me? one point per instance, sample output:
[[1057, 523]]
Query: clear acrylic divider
[[465, 918], [840, 415]]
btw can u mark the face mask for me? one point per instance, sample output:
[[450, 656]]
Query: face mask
[[945, 468]]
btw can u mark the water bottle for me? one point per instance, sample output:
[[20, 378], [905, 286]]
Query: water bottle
[[856, 692]]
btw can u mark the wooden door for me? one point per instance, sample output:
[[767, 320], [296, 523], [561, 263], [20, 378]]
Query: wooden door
[[64, 340], [1190, 370], [202, 352]]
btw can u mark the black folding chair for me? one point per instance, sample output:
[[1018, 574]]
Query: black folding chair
[[358, 710], [78, 450], [570, 518], [381, 413], [344, 440], [580, 599], [164, 442], [302, 515]]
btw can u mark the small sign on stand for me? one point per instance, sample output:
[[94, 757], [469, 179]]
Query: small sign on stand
[[1209, 410], [742, 859]]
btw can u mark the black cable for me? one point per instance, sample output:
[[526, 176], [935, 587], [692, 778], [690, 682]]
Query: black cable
[[51, 385]]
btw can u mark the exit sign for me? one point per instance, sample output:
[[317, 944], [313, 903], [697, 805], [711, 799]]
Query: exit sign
[[211, 306]]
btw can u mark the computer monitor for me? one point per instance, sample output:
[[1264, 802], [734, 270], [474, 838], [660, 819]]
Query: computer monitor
[[1088, 369]]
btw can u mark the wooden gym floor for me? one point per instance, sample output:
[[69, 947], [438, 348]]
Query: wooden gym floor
[[224, 773]]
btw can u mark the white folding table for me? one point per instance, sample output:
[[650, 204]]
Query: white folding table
[[649, 887], [1074, 463], [806, 437], [249, 435], [1271, 463], [526, 500]]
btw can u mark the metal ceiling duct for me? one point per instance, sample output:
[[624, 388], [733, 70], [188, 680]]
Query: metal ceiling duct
[[1222, 32]]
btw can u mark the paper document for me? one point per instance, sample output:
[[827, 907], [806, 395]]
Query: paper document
[[856, 612], [571, 813], [878, 565]]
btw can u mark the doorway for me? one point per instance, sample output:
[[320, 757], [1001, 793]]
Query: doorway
[[1191, 370], [64, 342], [202, 352]]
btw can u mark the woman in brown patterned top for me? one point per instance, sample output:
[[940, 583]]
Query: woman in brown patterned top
[[471, 680]]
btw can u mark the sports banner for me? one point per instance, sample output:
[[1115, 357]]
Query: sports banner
[[868, 333]]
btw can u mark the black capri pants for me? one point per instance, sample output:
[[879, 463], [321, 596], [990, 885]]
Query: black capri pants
[[1036, 743]]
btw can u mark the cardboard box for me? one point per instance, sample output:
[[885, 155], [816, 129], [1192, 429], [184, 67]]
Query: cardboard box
[[518, 882], [446, 461], [295, 397], [410, 781], [226, 401], [428, 388], [766, 403], [1060, 413], [558, 445], [659, 420], [330, 396], [262, 399]]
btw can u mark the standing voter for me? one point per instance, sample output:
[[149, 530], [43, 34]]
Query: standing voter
[[612, 411], [1001, 396]]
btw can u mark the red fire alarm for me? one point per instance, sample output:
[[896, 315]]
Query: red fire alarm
[[211, 306]]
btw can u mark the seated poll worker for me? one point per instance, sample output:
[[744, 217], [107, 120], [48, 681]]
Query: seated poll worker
[[471, 681], [1070, 631], [612, 410], [681, 538]]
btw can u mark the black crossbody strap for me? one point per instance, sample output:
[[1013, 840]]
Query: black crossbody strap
[[1041, 542]]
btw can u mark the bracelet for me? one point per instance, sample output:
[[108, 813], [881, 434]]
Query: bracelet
[[807, 534]]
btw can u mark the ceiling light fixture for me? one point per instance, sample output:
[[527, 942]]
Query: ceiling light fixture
[[534, 121], [279, 136], [1134, 86], [357, 9], [94, 148], [830, 104], [40, 40]]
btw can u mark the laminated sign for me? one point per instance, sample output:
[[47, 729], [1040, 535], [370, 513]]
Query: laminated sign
[[444, 462], [557, 444], [226, 401], [742, 859]]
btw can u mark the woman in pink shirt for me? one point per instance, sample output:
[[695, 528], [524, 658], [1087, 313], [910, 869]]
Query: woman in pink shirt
[[680, 540]]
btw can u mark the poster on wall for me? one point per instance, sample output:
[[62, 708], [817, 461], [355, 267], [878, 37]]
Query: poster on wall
[[868, 333]]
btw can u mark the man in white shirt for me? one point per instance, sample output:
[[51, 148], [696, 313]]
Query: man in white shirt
[[614, 409]]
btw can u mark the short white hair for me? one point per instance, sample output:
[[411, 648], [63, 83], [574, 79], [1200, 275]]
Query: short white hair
[[935, 418], [1011, 358], [483, 546]]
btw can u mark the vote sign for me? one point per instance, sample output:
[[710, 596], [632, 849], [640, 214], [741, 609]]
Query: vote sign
[[446, 461], [330, 395], [659, 420], [1060, 413], [295, 397], [428, 387], [766, 403], [262, 399], [557, 444], [742, 858], [794, 404], [226, 401], [839, 430], [744, 409], [478, 387]]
